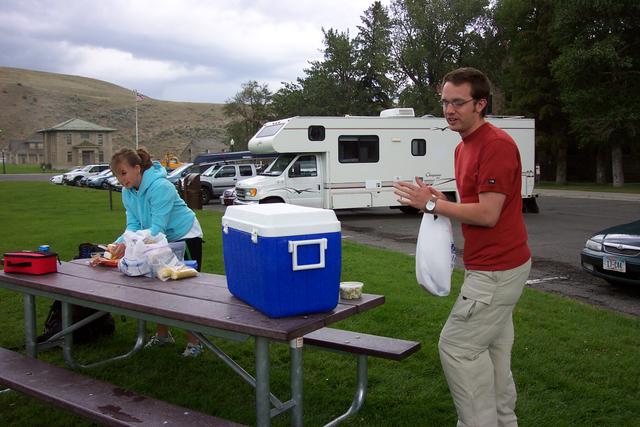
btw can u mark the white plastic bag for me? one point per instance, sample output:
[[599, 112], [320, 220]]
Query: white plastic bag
[[145, 253], [435, 255]]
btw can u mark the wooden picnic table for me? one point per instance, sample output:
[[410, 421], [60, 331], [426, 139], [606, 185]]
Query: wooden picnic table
[[201, 304]]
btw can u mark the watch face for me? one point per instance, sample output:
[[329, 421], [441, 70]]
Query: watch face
[[431, 204]]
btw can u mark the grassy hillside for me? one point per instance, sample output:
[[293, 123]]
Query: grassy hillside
[[33, 100]]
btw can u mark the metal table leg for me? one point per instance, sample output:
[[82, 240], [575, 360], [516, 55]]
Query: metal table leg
[[67, 343], [263, 406], [30, 325], [295, 351], [361, 393]]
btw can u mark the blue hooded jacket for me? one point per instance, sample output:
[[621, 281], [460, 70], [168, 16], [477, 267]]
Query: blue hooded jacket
[[157, 206]]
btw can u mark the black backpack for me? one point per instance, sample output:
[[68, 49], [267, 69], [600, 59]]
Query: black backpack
[[104, 325]]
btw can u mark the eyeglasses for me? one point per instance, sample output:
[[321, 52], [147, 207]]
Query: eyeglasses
[[456, 103]]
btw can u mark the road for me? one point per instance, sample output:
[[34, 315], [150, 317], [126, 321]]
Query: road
[[26, 176]]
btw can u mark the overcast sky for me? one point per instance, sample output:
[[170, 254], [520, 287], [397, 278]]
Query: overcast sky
[[188, 50]]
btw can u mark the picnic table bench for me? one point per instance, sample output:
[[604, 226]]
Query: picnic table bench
[[93, 399], [203, 306]]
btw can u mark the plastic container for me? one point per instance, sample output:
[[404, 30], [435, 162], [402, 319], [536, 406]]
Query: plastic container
[[178, 249], [351, 290], [191, 263], [282, 259]]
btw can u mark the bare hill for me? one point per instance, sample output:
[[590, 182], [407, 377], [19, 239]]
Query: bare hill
[[33, 100]]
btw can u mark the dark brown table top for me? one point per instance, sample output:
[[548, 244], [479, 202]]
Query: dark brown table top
[[203, 300]]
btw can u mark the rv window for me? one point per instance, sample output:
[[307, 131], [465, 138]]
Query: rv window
[[245, 170], [358, 149], [316, 133], [269, 130], [418, 147], [303, 167]]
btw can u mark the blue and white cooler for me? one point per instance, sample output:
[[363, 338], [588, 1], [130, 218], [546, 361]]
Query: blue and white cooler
[[283, 260]]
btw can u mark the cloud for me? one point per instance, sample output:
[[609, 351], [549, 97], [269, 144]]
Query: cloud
[[170, 48]]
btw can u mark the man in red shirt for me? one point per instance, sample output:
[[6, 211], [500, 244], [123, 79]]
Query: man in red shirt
[[475, 343]]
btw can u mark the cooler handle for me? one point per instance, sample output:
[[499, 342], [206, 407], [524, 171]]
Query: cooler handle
[[293, 250]]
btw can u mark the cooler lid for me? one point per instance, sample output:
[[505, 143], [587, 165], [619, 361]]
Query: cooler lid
[[280, 219]]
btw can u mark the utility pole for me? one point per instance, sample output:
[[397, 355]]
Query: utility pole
[[4, 168]]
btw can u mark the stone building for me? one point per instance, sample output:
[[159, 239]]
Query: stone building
[[24, 152], [76, 142]]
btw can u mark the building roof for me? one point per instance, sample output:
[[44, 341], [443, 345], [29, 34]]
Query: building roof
[[77, 125]]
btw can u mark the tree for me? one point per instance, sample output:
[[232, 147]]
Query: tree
[[376, 89], [598, 71], [330, 86], [289, 101], [248, 110], [430, 38], [524, 28]]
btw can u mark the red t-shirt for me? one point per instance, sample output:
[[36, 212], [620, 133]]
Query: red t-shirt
[[488, 160]]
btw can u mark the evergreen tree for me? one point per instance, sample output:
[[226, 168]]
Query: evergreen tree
[[430, 38], [248, 110], [376, 89], [597, 71], [525, 26]]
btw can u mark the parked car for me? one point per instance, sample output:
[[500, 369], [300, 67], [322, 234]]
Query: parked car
[[215, 180], [100, 180], [228, 196], [74, 177], [176, 174], [198, 169], [114, 184], [614, 254], [56, 179]]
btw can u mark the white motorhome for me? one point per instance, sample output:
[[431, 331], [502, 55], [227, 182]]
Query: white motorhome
[[352, 162]]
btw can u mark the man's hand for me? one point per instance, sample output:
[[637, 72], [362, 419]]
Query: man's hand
[[415, 195]]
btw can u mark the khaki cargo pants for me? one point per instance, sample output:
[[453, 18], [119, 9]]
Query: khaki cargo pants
[[475, 347]]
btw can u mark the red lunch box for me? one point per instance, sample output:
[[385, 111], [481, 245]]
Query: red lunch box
[[31, 262]]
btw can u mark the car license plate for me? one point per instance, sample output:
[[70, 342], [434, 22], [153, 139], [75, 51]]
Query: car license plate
[[614, 264]]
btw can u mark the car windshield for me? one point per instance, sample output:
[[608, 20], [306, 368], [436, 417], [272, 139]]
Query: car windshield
[[105, 172], [278, 165], [211, 170], [179, 170], [86, 168]]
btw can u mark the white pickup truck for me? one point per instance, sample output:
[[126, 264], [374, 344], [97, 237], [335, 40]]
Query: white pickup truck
[[219, 177]]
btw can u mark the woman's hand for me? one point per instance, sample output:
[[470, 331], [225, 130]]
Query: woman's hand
[[116, 250]]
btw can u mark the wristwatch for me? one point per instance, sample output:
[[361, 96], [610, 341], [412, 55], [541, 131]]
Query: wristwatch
[[430, 207]]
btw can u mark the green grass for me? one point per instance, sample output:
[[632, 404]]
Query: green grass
[[630, 187], [12, 169], [574, 365]]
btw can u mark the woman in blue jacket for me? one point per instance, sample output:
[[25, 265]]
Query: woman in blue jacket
[[152, 202]]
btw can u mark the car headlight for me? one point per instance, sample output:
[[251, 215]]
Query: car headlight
[[595, 243], [252, 191]]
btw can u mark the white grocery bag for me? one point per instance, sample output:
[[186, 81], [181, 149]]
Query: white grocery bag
[[435, 255], [144, 254]]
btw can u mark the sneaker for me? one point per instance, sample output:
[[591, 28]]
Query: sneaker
[[158, 341], [193, 350]]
